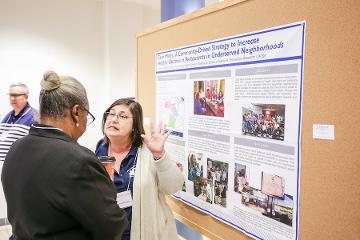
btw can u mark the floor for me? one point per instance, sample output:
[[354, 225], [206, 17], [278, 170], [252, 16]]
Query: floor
[[5, 232], [187, 233]]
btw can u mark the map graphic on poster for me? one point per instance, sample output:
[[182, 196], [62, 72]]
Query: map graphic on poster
[[234, 106], [172, 113]]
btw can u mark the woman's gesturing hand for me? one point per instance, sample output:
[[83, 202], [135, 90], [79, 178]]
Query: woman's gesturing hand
[[156, 141]]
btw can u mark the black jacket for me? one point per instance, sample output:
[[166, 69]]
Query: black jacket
[[57, 189]]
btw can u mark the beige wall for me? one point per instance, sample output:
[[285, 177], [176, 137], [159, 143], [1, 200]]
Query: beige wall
[[123, 20]]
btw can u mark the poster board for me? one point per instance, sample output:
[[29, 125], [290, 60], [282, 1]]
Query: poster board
[[329, 179]]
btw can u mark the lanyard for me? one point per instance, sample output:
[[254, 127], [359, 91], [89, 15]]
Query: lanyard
[[29, 108], [132, 169]]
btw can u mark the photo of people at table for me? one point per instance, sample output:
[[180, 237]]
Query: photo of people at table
[[209, 98], [264, 121], [218, 173]]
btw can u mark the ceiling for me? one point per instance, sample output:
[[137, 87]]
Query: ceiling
[[148, 3], [156, 4]]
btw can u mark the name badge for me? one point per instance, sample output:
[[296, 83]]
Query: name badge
[[124, 199], [132, 172]]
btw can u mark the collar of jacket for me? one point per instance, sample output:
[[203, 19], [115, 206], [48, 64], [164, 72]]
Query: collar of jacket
[[48, 131]]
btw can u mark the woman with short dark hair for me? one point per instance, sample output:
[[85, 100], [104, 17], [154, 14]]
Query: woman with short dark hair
[[144, 173]]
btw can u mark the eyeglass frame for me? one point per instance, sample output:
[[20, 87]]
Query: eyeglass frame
[[118, 116], [90, 117], [16, 95]]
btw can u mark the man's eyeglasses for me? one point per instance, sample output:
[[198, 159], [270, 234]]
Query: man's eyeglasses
[[90, 117], [119, 117], [16, 94]]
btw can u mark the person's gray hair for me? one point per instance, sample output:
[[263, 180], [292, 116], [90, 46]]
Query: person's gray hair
[[24, 88], [59, 93]]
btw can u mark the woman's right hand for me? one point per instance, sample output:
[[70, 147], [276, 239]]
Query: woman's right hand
[[156, 141]]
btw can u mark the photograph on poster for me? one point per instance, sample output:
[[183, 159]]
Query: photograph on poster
[[203, 189], [254, 199], [282, 209], [240, 179], [209, 97], [264, 121], [270, 200], [272, 184], [220, 193], [218, 173], [195, 166], [181, 167]]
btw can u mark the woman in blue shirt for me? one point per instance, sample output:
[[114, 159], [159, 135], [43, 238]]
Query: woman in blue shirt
[[143, 173]]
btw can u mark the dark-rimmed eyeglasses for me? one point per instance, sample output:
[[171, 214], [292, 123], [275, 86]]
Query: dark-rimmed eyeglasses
[[90, 117], [119, 117]]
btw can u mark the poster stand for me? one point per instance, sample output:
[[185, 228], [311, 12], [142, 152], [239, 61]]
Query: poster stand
[[331, 95]]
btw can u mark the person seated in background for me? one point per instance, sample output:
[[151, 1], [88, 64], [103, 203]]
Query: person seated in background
[[220, 98], [220, 103], [198, 106], [55, 188], [214, 96], [208, 94], [143, 174]]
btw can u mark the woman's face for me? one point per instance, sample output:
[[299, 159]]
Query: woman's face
[[119, 122]]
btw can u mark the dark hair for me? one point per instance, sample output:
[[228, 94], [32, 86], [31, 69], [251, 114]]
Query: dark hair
[[59, 93], [136, 111]]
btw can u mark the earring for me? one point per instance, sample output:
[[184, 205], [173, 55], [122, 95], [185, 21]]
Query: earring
[[77, 124]]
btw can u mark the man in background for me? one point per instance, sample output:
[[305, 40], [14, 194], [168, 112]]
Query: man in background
[[17, 122]]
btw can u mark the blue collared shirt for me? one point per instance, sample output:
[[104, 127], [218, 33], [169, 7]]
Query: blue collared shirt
[[27, 116], [14, 127], [124, 179]]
